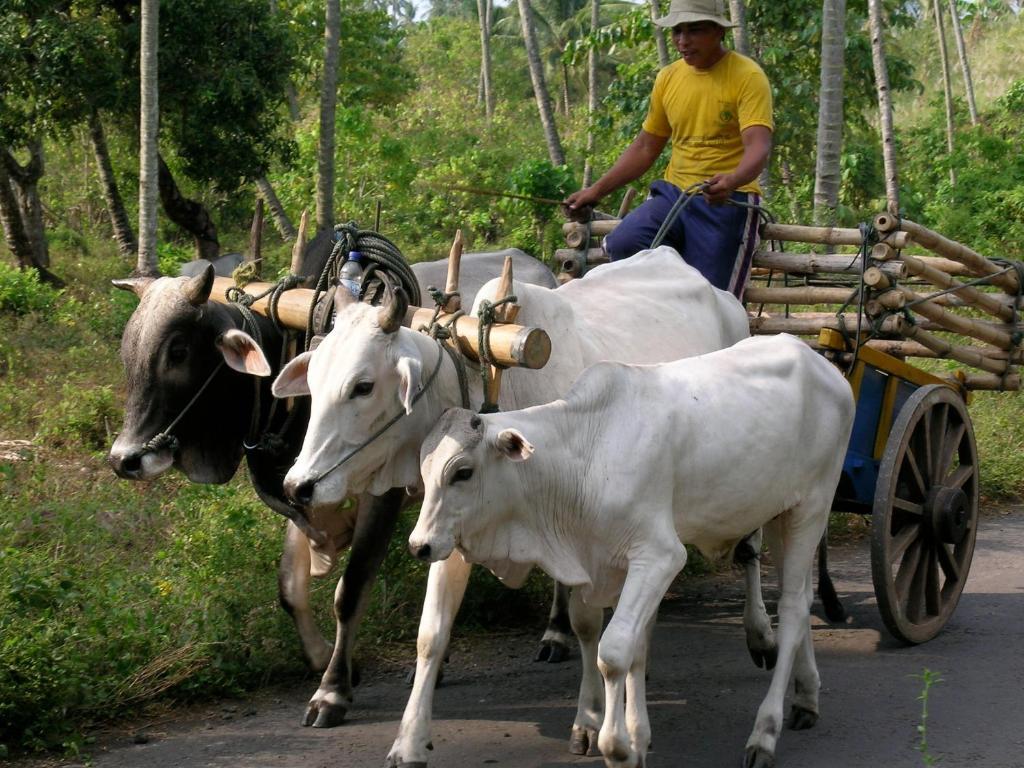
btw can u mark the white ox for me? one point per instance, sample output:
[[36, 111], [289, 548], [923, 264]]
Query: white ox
[[602, 489], [650, 308]]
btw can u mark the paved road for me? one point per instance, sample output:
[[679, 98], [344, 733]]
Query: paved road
[[499, 708]]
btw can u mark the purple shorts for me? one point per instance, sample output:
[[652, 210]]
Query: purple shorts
[[719, 240]]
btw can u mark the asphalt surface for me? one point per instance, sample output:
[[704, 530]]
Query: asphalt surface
[[498, 707]]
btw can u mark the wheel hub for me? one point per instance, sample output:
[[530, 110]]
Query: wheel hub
[[948, 513]]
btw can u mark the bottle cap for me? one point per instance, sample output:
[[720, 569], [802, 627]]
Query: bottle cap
[[355, 256]]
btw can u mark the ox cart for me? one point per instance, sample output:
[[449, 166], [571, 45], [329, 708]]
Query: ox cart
[[902, 292]]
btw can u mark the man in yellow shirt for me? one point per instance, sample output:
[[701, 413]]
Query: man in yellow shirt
[[715, 106]]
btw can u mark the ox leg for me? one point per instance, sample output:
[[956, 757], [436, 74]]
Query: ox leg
[[756, 622], [586, 623], [293, 592], [374, 527], [798, 532], [622, 645], [446, 586], [830, 601], [554, 646], [803, 713], [638, 724]]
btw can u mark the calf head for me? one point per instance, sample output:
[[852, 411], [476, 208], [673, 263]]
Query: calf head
[[365, 372], [171, 346], [470, 484]]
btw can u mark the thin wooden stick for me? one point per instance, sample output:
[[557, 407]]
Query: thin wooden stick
[[504, 314], [627, 201], [256, 239], [452, 283], [299, 246]]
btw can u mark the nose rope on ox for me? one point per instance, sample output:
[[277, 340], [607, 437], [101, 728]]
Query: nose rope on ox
[[391, 422]]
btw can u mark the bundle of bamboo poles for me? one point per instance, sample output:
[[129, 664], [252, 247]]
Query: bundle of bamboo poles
[[916, 294]]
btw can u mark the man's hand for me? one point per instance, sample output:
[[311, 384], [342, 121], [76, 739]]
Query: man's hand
[[578, 205], [719, 188]]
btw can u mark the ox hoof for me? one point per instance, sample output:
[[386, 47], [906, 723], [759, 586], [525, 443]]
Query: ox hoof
[[801, 719], [324, 714], [757, 757], [552, 651], [583, 741], [765, 657]]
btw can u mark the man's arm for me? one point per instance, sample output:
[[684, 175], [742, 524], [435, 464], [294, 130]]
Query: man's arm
[[633, 163], [757, 145]]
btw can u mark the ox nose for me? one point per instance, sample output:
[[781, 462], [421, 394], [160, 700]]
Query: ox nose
[[420, 551], [128, 466], [300, 492]]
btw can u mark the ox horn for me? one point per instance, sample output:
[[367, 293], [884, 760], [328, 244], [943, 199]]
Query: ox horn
[[137, 285], [197, 289], [392, 312]]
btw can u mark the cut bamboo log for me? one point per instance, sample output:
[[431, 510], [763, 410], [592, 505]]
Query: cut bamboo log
[[962, 354], [818, 263], [907, 348], [811, 323], [517, 345], [598, 227], [986, 301], [575, 239], [950, 249], [991, 382], [802, 294], [592, 257], [798, 233], [454, 304]]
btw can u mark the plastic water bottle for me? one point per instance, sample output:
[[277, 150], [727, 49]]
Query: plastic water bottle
[[351, 274]]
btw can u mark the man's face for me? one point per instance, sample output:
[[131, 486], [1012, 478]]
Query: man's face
[[700, 43]]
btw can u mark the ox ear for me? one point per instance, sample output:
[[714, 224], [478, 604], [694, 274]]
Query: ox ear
[[242, 353], [136, 285], [512, 444], [410, 371], [197, 289], [291, 381]]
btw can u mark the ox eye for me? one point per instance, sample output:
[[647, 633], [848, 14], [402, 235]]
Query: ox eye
[[177, 352], [462, 474], [362, 389]]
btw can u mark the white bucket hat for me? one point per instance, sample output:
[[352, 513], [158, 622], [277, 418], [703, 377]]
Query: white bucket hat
[[692, 11]]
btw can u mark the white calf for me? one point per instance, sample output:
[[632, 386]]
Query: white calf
[[602, 488]]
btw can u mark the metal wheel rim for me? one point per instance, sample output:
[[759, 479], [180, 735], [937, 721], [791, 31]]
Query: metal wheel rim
[[918, 576]]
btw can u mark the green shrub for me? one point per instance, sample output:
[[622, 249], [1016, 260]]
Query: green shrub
[[86, 415], [171, 256], [21, 292]]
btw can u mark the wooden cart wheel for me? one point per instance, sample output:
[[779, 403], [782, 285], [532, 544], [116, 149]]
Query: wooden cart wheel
[[925, 514]]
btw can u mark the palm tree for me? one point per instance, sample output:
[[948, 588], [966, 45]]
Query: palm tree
[[659, 35], [947, 87], [830, 112], [540, 88], [147, 264], [123, 233], [892, 190], [738, 13], [484, 10], [595, 21], [958, 35], [328, 106]]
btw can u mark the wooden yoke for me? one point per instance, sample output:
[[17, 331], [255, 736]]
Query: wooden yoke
[[511, 344], [504, 314]]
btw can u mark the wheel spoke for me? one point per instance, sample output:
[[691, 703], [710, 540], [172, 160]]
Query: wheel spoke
[[950, 444], [910, 460], [937, 419], [908, 535], [948, 562], [959, 477], [933, 604], [908, 567], [916, 581], [909, 507]]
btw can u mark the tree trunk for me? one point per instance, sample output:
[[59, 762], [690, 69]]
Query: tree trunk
[[123, 233], [588, 166], [291, 95], [328, 106], [25, 182], [147, 264], [659, 35], [892, 189], [483, 9], [190, 215], [277, 211], [965, 66], [566, 105], [830, 112], [540, 88], [947, 86], [15, 232], [740, 38]]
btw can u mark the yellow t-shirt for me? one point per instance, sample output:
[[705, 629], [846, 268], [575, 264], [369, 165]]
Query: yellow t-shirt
[[703, 111]]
